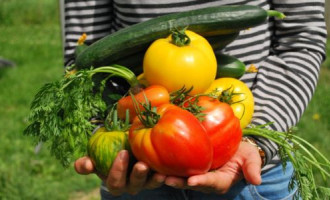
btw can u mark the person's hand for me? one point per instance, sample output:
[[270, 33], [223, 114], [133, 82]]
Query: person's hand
[[117, 181], [245, 163]]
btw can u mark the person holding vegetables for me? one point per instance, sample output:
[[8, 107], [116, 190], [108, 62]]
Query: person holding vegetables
[[287, 54]]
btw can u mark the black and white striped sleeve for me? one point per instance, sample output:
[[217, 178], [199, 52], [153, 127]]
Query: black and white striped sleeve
[[287, 78], [78, 16]]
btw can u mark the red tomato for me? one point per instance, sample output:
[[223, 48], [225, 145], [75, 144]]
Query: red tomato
[[156, 95], [222, 127], [177, 145]]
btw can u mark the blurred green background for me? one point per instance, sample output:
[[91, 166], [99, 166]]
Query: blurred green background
[[30, 36]]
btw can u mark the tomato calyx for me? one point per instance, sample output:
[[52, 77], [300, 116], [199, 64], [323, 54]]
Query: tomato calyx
[[228, 94], [148, 116], [188, 102], [191, 105], [180, 38], [113, 123], [179, 96]]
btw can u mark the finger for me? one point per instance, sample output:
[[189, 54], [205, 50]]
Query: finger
[[155, 181], [204, 180], [138, 177], [252, 169], [84, 165], [116, 180], [218, 181], [176, 182]]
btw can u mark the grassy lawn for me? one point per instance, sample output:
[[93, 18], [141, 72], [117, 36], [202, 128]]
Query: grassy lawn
[[32, 39]]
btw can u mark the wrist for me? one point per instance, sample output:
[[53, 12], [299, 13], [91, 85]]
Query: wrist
[[260, 151]]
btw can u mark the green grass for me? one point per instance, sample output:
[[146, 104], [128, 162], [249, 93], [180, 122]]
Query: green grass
[[16, 12], [23, 174], [33, 41], [314, 129], [318, 130], [35, 47]]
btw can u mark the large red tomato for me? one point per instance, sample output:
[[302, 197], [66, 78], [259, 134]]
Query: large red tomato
[[176, 145]]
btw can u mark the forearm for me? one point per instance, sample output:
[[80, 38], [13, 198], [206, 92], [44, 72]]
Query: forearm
[[286, 79]]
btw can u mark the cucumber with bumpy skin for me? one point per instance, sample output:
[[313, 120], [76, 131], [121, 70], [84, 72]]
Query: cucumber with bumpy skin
[[210, 21]]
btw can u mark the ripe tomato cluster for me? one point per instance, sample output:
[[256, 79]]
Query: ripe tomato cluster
[[184, 132], [183, 121], [199, 134]]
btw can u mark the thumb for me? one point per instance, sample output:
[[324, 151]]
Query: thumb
[[252, 169], [84, 165]]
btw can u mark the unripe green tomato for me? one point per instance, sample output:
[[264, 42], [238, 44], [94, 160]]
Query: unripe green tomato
[[103, 148]]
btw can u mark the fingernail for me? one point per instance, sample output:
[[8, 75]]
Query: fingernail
[[122, 154], [160, 179], [87, 165], [142, 168], [192, 183], [171, 184]]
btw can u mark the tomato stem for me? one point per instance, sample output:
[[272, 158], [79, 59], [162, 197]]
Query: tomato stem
[[180, 38]]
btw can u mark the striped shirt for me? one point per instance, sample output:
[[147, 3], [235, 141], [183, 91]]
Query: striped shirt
[[287, 53]]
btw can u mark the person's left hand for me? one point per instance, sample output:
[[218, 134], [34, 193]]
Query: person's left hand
[[246, 163], [119, 181]]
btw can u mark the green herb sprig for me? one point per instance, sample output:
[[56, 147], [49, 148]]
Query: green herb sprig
[[62, 112], [304, 157]]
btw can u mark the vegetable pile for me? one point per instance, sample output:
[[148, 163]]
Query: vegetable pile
[[186, 112]]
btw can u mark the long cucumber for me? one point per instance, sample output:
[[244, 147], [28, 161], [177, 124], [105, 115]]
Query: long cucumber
[[212, 21]]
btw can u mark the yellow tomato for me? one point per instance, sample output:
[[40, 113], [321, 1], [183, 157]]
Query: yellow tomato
[[238, 95], [192, 65]]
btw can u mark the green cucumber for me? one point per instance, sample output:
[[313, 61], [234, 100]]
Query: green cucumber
[[219, 42], [229, 66], [80, 48], [136, 38]]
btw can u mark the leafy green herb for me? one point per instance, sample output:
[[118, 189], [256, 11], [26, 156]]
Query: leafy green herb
[[304, 157], [62, 112]]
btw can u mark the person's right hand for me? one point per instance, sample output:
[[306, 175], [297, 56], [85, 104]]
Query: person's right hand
[[117, 181]]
